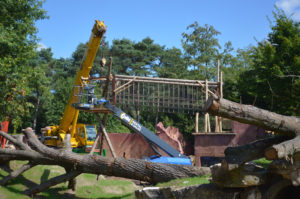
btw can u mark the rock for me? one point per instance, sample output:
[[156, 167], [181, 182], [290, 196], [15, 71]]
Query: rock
[[154, 192], [204, 191], [237, 176]]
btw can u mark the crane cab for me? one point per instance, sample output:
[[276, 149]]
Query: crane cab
[[85, 135]]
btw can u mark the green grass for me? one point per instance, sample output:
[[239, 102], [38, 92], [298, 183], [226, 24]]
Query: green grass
[[87, 185], [186, 182]]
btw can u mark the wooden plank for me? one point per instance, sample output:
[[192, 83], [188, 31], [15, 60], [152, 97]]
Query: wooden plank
[[117, 89], [139, 78]]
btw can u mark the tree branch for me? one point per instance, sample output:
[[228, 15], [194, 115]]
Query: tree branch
[[16, 142], [16, 173], [127, 168], [52, 182]]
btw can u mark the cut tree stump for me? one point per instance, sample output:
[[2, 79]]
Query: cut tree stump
[[288, 126]]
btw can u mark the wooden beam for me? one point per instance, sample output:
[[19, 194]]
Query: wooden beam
[[197, 122], [217, 127], [221, 96], [117, 89], [106, 136]]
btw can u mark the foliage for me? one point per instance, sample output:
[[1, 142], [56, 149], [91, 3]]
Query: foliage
[[274, 77], [39, 84], [17, 45], [170, 64], [235, 66], [201, 49], [35, 87], [135, 58]]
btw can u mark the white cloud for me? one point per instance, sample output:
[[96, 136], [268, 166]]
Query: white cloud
[[41, 46], [291, 7]]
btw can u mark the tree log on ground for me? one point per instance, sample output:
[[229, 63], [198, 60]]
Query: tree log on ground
[[272, 148], [39, 154], [252, 151]]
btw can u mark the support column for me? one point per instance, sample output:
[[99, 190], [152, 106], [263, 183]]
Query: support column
[[197, 122], [207, 121]]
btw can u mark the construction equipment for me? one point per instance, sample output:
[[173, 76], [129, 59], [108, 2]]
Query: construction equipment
[[82, 135], [175, 156]]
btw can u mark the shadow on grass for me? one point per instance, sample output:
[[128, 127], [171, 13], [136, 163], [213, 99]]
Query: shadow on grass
[[53, 193], [45, 175]]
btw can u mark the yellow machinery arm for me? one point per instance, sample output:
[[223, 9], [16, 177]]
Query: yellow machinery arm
[[71, 114]]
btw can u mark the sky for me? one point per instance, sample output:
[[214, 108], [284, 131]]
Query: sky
[[243, 22]]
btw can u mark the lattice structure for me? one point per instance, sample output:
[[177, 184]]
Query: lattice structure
[[160, 94]]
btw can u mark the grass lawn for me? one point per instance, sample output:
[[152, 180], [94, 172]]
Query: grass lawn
[[87, 185], [183, 182]]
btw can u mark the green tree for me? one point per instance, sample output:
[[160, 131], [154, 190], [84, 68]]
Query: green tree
[[201, 50], [39, 86], [17, 45], [171, 64], [135, 58], [273, 80], [233, 67]]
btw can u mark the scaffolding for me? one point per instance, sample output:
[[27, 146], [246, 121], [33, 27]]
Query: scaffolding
[[163, 95], [160, 94]]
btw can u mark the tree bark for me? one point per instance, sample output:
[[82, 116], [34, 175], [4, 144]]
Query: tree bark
[[284, 149], [251, 151], [16, 173], [255, 116], [285, 125], [127, 168]]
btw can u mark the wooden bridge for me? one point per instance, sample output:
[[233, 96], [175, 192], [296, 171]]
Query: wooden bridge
[[160, 94], [155, 94]]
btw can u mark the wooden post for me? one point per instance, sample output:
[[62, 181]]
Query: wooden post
[[113, 88], [95, 144], [197, 122], [207, 122], [205, 116], [106, 137], [217, 127], [221, 96]]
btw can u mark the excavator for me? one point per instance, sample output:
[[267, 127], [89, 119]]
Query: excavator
[[82, 135]]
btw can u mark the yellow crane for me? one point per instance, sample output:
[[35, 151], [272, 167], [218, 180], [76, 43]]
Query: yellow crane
[[81, 134]]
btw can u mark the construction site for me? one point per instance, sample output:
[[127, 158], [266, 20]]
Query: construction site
[[132, 120]]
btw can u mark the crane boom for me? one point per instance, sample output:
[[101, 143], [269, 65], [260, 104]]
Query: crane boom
[[139, 128], [70, 114]]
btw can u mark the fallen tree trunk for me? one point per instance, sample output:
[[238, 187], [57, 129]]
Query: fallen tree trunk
[[252, 151], [255, 116], [284, 125], [136, 169]]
